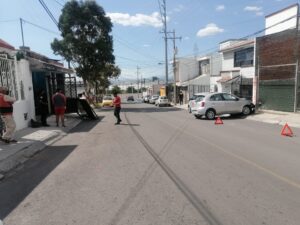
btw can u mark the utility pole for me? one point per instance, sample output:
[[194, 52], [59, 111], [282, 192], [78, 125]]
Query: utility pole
[[137, 75], [164, 15], [174, 38], [21, 22], [296, 53]]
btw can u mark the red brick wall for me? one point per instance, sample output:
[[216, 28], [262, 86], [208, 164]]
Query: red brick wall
[[277, 49]]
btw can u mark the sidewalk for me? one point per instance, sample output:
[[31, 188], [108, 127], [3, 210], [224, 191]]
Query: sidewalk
[[31, 141], [269, 116]]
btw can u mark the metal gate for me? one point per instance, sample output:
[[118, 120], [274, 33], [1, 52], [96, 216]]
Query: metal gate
[[8, 76], [68, 86], [7, 79]]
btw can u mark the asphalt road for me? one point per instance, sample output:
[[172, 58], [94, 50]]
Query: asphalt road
[[160, 166]]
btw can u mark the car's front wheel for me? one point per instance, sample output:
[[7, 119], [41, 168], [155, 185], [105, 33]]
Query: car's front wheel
[[246, 110], [210, 114]]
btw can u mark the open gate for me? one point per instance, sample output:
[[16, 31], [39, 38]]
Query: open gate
[[68, 85]]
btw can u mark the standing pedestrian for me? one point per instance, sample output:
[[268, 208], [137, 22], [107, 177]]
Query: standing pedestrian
[[43, 108], [180, 98], [117, 105], [59, 102], [6, 110]]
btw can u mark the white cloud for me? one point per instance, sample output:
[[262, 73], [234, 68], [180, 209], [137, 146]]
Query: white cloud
[[186, 38], [220, 8], [136, 20], [253, 8], [209, 30], [146, 46], [257, 10]]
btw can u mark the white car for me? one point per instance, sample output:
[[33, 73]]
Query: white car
[[212, 104], [192, 102], [162, 100], [153, 99]]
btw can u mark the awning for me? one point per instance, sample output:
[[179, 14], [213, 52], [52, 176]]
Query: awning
[[228, 80]]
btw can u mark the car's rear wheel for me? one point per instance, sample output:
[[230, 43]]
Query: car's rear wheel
[[246, 110], [210, 114]]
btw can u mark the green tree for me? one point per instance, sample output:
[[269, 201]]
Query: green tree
[[86, 40], [116, 89], [131, 89]]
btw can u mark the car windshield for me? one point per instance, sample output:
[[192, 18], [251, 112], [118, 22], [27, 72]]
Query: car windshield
[[163, 97]]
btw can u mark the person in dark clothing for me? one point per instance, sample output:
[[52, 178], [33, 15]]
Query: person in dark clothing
[[117, 105], [59, 101], [43, 107], [180, 98]]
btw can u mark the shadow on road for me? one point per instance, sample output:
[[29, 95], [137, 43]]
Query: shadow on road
[[15, 188], [86, 125]]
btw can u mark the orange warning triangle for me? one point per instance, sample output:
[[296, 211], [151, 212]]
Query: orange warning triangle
[[287, 131], [218, 121]]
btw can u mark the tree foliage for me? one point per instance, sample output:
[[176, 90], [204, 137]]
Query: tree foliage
[[87, 41], [116, 89], [131, 89]]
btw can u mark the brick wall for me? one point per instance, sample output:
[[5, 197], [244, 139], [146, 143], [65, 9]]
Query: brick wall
[[277, 84]]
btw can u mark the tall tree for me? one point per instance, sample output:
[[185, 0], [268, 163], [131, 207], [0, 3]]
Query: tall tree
[[86, 39]]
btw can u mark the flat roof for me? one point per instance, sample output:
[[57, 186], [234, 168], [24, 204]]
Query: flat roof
[[281, 10]]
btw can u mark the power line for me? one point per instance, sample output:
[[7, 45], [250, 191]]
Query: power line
[[48, 12], [129, 47], [42, 28], [59, 3]]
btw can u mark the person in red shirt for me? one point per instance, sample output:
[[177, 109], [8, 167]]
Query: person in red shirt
[[117, 105], [59, 102]]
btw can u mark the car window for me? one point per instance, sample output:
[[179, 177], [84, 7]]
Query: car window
[[216, 97], [199, 98], [163, 97], [229, 97]]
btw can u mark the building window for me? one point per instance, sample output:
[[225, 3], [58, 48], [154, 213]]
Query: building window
[[204, 67], [244, 57], [22, 90]]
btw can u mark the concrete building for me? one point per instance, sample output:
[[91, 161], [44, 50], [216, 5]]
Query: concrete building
[[277, 63], [26, 73], [281, 20], [194, 74], [238, 68]]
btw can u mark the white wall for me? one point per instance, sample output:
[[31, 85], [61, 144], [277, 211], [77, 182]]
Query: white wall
[[24, 106], [281, 16], [247, 72], [228, 61], [188, 69]]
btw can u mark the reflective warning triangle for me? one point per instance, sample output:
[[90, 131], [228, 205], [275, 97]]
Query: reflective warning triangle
[[218, 121], [287, 131]]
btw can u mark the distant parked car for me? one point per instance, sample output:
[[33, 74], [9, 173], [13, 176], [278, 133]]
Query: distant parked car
[[107, 101], [130, 99], [162, 100], [146, 98], [191, 102], [212, 104], [153, 99]]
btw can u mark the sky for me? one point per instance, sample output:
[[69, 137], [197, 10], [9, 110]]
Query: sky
[[137, 27]]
